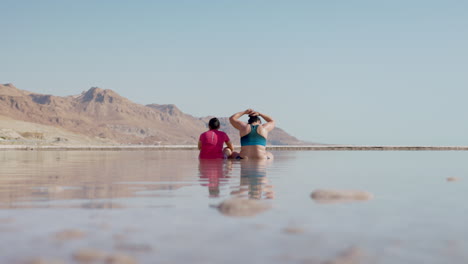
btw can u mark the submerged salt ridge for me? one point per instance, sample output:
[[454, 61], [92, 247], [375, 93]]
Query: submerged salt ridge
[[167, 206]]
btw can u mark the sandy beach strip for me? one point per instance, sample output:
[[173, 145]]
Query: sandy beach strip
[[271, 148]]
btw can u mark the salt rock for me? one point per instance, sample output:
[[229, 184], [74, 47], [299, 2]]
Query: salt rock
[[242, 207], [89, 255], [330, 196], [120, 259], [69, 234], [450, 179], [44, 261], [293, 230]]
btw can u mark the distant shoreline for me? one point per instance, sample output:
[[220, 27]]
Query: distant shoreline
[[194, 147]]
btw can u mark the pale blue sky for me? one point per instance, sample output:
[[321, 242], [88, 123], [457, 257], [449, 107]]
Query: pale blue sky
[[348, 72]]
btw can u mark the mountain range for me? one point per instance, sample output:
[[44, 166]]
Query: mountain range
[[102, 115]]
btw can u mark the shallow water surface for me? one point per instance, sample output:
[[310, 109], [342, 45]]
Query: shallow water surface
[[169, 207]]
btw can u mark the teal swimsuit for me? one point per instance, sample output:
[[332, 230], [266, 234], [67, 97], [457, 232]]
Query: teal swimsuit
[[253, 138]]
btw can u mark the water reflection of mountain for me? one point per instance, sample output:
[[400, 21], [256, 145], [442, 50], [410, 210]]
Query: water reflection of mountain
[[41, 177]]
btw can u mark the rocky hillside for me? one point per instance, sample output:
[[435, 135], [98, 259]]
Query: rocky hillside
[[104, 114]]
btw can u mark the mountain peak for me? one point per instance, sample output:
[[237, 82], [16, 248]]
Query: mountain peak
[[10, 90], [99, 95]]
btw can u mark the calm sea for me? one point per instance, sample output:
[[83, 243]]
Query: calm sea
[[164, 207]]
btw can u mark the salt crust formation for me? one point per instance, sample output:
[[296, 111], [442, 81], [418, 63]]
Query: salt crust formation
[[238, 207], [332, 196]]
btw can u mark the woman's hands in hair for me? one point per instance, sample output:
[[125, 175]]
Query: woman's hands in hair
[[249, 111], [252, 112]]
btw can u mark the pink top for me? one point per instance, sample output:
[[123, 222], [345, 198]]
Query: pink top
[[212, 144]]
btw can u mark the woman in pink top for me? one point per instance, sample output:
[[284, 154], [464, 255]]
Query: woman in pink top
[[212, 141]]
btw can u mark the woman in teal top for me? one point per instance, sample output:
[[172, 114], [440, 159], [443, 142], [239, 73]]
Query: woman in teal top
[[253, 138], [253, 134]]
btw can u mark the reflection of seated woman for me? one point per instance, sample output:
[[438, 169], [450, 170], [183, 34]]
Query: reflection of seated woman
[[254, 181], [212, 141], [213, 173]]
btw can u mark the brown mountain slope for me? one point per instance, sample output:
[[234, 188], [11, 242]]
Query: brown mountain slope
[[105, 114]]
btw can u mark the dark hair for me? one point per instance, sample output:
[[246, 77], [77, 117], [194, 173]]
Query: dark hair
[[214, 123], [253, 119]]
